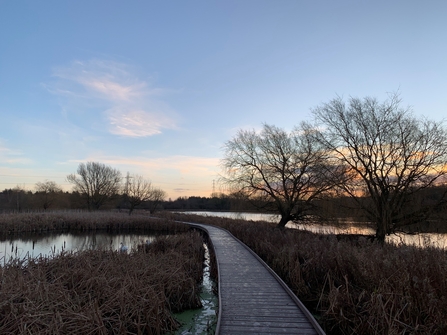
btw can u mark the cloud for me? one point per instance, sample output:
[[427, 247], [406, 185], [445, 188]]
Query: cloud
[[183, 165], [136, 123], [181, 190], [9, 156], [102, 79], [130, 105]]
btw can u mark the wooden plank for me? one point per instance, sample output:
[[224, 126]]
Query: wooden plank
[[235, 330], [253, 301]]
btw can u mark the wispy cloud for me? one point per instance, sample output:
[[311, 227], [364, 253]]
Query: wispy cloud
[[131, 106], [183, 165], [137, 123], [10, 156]]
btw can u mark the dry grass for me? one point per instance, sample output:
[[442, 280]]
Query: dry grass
[[103, 292], [17, 223], [354, 287]]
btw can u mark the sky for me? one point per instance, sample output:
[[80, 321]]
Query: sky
[[156, 88]]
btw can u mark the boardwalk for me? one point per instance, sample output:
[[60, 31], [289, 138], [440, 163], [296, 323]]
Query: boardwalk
[[252, 299]]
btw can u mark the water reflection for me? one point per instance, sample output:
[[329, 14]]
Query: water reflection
[[197, 321], [203, 320], [437, 240], [35, 245]]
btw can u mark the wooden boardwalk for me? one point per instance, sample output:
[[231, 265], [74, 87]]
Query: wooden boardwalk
[[252, 298]]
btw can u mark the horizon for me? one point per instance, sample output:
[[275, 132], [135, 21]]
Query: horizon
[[156, 89]]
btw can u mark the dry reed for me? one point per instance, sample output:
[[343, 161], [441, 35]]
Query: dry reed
[[18, 223], [354, 287], [103, 292]]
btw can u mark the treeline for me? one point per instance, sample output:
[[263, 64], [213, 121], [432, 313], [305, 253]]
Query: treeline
[[328, 209], [18, 199]]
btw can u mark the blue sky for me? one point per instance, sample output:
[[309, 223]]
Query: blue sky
[[157, 87]]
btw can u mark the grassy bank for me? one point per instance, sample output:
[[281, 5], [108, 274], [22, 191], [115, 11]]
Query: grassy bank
[[103, 292], [18, 223], [354, 287]]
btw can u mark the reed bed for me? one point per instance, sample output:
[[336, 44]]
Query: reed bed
[[353, 286], [103, 292], [18, 223]]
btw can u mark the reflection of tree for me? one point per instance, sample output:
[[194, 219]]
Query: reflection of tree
[[35, 245]]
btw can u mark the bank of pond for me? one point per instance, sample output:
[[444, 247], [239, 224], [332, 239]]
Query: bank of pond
[[135, 280], [352, 285], [424, 234]]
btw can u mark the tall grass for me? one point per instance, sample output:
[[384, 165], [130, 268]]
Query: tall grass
[[103, 292], [353, 287], [17, 223]]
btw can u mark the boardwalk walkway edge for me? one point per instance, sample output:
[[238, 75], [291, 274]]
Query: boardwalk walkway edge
[[298, 302]]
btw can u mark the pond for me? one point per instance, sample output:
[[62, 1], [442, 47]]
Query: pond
[[437, 240], [35, 245], [23, 246]]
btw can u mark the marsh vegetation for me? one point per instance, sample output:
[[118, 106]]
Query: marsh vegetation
[[100, 291], [351, 284]]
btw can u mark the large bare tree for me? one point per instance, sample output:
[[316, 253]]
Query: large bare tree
[[47, 192], [286, 171], [97, 182], [139, 190], [392, 155]]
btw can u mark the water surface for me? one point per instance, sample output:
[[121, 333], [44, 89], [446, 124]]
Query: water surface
[[52, 244], [438, 240]]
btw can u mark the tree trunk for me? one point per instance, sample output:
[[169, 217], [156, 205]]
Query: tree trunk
[[284, 219], [382, 230]]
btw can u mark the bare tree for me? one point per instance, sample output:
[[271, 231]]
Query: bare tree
[[157, 196], [97, 182], [47, 192], [285, 172], [138, 190], [392, 155]]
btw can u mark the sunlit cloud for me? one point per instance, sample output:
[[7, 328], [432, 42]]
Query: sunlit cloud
[[183, 165], [102, 79], [131, 106], [137, 123]]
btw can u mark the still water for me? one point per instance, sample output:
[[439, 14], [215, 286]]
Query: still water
[[437, 240], [36, 245], [203, 320], [197, 321]]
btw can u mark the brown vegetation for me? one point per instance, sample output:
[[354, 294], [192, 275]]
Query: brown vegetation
[[103, 292], [354, 287], [16, 223]]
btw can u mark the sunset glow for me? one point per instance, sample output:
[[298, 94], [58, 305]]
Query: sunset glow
[[157, 88]]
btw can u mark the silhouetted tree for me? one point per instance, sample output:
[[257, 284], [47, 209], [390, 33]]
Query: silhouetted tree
[[46, 193], [156, 198], [280, 171], [392, 157], [139, 190], [97, 183]]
